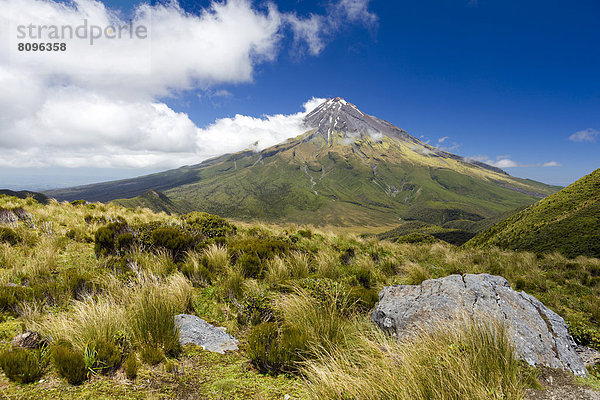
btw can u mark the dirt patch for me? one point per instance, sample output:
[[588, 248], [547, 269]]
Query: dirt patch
[[560, 385]]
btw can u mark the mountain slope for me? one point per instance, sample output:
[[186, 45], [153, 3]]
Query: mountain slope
[[567, 221], [154, 201], [347, 169]]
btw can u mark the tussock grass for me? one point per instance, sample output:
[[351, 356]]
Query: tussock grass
[[323, 324], [216, 258], [87, 322], [466, 360]]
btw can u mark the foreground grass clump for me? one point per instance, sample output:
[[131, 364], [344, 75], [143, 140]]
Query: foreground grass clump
[[472, 360], [21, 365], [152, 322]]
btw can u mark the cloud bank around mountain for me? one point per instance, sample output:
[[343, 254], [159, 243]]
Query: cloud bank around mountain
[[100, 105]]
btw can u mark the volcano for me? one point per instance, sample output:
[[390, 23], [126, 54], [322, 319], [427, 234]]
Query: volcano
[[346, 168]]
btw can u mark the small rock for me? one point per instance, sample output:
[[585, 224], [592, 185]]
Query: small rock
[[28, 340], [194, 330]]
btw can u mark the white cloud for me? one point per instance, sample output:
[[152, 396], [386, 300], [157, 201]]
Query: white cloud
[[99, 106], [442, 140], [143, 135], [315, 30], [551, 164], [587, 135], [505, 161]]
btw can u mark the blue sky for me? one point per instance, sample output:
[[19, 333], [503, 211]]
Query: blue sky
[[508, 82]]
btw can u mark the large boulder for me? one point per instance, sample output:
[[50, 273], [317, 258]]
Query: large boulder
[[194, 330], [541, 336]]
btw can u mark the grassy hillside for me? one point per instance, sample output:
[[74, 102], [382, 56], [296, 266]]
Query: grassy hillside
[[342, 181], [101, 284], [568, 222], [153, 200]]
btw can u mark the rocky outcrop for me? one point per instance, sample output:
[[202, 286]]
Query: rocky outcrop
[[194, 330], [541, 336]]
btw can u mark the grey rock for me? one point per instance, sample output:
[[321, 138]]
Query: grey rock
[[541, 336], [194, 330], [28, 340]]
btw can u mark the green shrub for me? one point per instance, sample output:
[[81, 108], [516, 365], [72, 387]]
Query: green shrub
[[105, 238], [172, 240], [152, 355], [251, 265], [8, 235], [20, 365], [325, 290], [255, 308], [69, 363], [10, 296], [364, 277], [416, 238], [78, 202], [263, 248], [131, 367], [585, 335], [211, 226], [125, 242], [364, 299], [108, 356]]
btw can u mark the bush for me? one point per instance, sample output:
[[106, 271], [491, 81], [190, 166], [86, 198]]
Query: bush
[[255, 308], [365, 278], [8, 235], [211, 226], [69, 363], [364, 299], [105, 237], [251, 265], [131, 367], [108, 356], [10, 296], [416, 238], [125, 242], [152, 355], [172, 240], [20, 365], [585, 335], [251, 254]]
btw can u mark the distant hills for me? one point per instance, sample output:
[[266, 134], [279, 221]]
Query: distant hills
[[567, 222], [346, 169]]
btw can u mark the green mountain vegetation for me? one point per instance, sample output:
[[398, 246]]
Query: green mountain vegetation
[[456, 232], [153, 200], [567, 222], [101, 284], [347, 170]]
